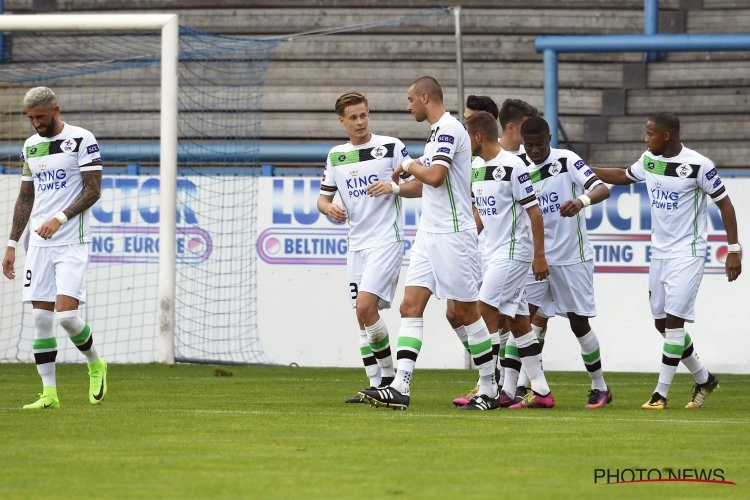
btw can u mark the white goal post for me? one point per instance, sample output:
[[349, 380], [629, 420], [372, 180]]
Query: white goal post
[[168, 25]]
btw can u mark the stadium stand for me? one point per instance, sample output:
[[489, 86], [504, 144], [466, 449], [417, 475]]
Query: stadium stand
[[604, 98]]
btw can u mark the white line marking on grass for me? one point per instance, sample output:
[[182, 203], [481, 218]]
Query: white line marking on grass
[[540, 414]]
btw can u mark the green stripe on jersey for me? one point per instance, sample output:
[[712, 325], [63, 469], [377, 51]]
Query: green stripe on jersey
[[487, 173], [668, 169], [544, 171], [347, 158], [42, 149], [81, 230], [514, 224], [454, 213], [696, 211]]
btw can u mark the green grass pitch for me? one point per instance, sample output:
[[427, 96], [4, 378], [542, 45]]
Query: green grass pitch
[[277, 432]]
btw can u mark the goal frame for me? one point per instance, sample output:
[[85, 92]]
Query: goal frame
[[167, 24]]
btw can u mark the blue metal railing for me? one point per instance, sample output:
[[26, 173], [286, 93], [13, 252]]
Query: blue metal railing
[[650, 24], [550, 46]]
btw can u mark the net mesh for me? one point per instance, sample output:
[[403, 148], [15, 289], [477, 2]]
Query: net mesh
[[109, 83]]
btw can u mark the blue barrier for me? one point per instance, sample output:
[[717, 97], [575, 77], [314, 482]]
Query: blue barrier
[[550, 46], [651, 24]]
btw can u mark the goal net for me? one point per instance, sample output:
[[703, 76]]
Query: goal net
[[109, 81]]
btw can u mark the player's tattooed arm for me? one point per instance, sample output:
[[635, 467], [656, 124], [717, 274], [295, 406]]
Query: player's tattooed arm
[[22, 211], [92, 190]]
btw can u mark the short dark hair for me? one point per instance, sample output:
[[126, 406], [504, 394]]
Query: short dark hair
[[666, 121], [514, 110], [483, 122], [431, 86], [482, 103], [535, 125], [349, 99]]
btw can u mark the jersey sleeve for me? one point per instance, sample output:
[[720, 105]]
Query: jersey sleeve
[[582, 173], [710, 181], [89, 157], [400, 153], [446, 147], [25, 169], [635, 172], [523, 190], [328, 182]]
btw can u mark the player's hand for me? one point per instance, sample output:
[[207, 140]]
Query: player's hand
[[8, 263], [397, 173], [571, 207], [337, 212], [48, 229], [379, 188], [540, 268], [733, 266]]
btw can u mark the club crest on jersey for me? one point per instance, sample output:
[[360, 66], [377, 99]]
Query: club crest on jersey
[[342, 157], [554, 168], [651, 165], [499, 173], [684, 171], [378, 152], [68, 146]]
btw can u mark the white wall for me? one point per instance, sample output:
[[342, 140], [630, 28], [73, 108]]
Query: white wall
[[303, 308], [306, 319]]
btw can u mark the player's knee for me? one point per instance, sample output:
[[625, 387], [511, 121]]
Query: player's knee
[[450, 315], [579, 324], [366, 314], [518, 324], [409, 310], [71, 322], [43, 320]]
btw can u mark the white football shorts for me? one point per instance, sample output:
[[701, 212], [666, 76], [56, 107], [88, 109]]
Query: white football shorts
[[446, 264], [540, 294], [571, 288], [673, 286], [504, 286], [53, 271], [375, 270]]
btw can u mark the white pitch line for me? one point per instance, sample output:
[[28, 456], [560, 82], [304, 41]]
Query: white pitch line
[[511, 414]]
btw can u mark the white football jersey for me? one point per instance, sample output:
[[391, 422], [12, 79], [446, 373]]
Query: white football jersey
[[502, 192], [677, 189], [54, 165], [349, 170], [563, 176], [447, 208], [521, 153]]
